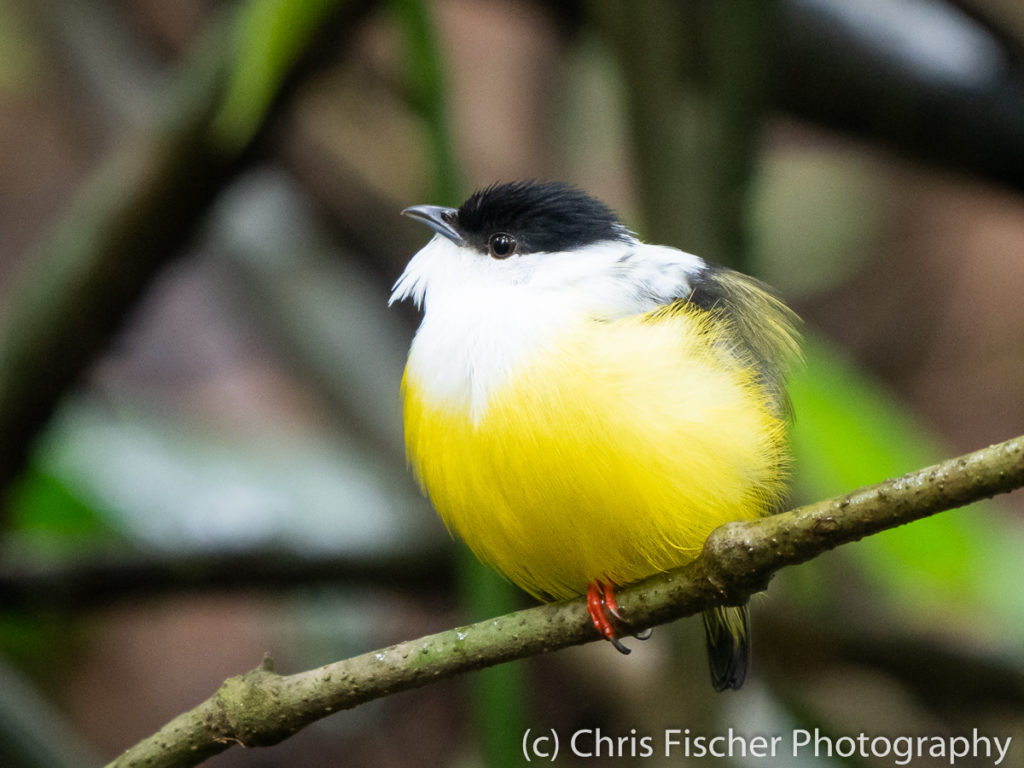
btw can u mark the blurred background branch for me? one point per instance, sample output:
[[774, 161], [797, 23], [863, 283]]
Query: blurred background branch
[[89, 583], [947, 100], [139, 210]]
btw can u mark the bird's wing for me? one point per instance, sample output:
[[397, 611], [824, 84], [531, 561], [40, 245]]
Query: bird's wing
[[760, 327]]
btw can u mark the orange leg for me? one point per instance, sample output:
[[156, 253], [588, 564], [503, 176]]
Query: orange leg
[[600, 605], [609, 601]]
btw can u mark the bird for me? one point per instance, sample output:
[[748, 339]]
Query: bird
[[583, 408]]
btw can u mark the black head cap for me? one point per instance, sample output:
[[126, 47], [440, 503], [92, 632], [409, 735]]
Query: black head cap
[[542, 216]]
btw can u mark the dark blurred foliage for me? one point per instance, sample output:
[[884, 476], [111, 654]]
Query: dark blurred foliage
[[213, 465]]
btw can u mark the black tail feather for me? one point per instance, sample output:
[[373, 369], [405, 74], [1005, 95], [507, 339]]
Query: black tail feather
[[727, 631]]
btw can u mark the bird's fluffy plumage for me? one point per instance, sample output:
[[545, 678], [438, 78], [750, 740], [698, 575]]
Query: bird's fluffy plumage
[[593, 406]]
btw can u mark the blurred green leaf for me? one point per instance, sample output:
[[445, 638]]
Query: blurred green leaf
[[47, 513], [268, 36], [850, 432], [21, 57], [425, 78]]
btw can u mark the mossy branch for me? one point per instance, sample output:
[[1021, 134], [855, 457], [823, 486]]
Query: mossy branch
[[261, 707]]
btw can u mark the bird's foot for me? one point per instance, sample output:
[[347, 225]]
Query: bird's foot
[[602, 607]]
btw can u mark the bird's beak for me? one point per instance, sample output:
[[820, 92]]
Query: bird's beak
[[437, 218]]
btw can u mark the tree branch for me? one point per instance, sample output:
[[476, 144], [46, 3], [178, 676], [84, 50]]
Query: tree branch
[[261, 708]]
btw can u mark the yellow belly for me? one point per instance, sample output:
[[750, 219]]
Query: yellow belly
[[610, 454]]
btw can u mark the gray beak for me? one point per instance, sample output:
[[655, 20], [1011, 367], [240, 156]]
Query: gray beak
[[437, 218]]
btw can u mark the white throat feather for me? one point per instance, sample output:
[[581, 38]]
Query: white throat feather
[[483, 318]]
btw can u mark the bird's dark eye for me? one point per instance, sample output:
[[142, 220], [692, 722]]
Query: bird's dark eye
[[502, 245]]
